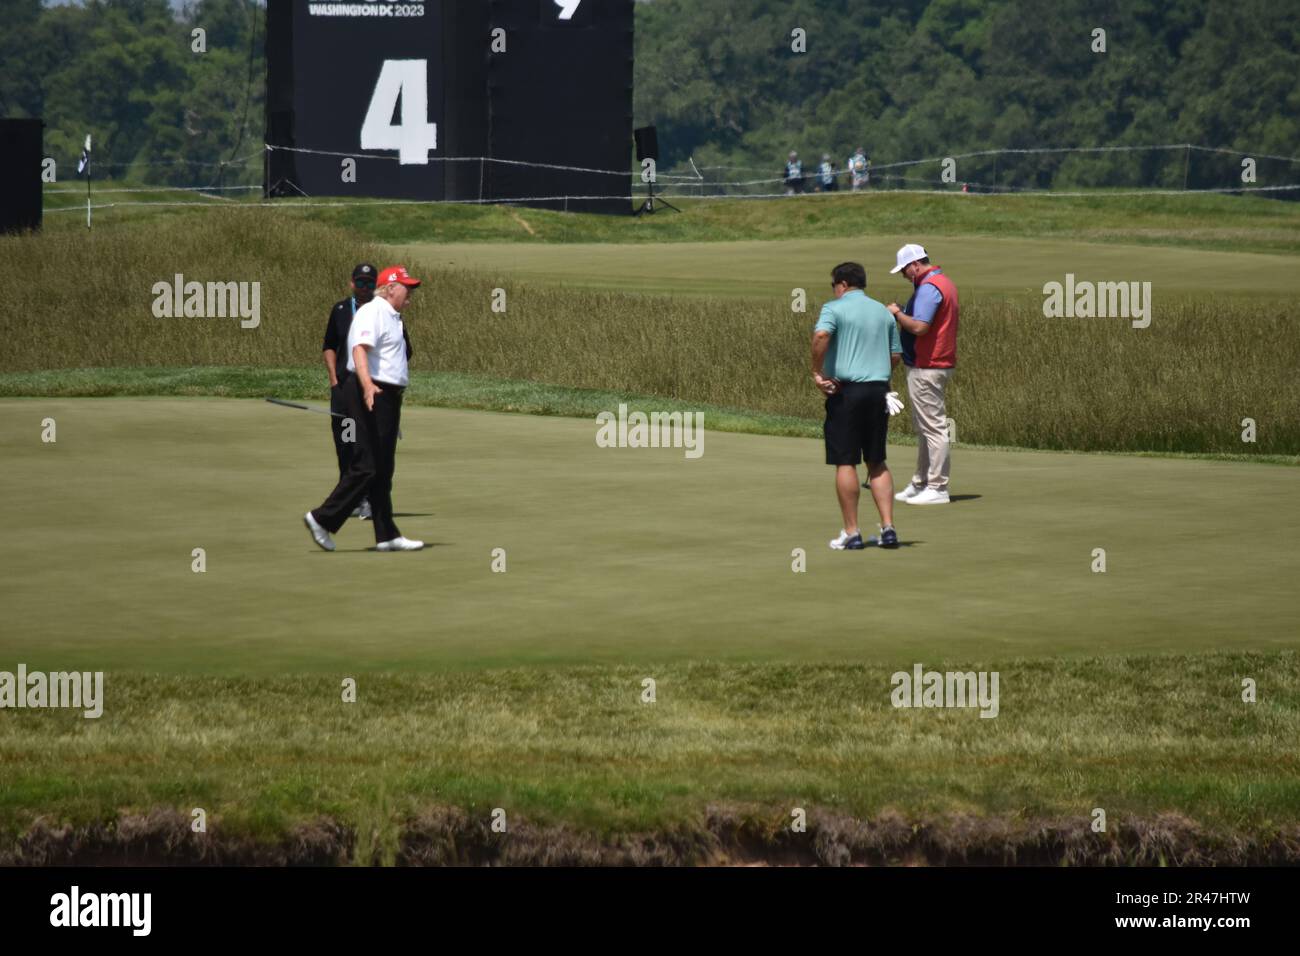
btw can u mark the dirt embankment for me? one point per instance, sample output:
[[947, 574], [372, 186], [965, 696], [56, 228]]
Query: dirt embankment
[[727, 836]]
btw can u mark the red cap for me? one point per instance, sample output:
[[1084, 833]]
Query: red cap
[[397, 274]]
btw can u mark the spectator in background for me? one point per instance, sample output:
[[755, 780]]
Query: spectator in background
[[793, 174], [859, 169], [826, 175]]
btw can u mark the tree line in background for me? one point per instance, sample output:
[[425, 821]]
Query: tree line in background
[[725, 85], [126, 72], [932, 78]]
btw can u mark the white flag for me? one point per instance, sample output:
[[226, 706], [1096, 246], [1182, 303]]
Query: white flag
[[85, 157]]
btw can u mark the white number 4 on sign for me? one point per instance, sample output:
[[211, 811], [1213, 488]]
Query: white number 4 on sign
[[414, 136]]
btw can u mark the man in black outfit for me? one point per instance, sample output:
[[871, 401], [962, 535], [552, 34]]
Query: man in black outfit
[[377, 358], [334, 351]]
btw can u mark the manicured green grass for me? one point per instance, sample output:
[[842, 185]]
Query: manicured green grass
[[522, 689], [614, 555]]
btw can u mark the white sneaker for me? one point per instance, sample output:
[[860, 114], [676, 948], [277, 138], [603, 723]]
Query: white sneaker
[[363, 511], [318, 533], [908, 493], [847, 542], [399, 544], [928, 496]]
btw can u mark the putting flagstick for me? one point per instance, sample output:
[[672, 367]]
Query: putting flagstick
[[84, 167], [312, 408]]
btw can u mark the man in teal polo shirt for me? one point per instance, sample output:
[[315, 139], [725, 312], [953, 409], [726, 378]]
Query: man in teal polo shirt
[[855, 346]]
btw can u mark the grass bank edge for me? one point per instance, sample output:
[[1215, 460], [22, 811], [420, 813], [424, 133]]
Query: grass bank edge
[[1219, 795], [467, 392], [726, 835]]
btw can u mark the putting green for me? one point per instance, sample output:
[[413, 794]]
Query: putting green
[[981, 265], [613, 555]]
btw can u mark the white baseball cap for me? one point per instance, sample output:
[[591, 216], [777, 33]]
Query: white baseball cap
[[909, 254]]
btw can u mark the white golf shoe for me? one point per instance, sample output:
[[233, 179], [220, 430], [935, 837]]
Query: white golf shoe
[[399, 544], [847, 542], [928, 496], [318, 532], [363, 510], [908, 493]]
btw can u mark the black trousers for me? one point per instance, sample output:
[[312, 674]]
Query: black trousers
[[339, 405], [372, 461]]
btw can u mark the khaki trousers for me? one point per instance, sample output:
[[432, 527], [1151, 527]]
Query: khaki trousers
[[925, 388]]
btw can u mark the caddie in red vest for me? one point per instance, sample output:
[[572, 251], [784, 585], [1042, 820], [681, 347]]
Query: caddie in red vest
[[928, 330]]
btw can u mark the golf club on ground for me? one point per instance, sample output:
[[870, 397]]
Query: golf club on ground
[[313, 408], [305, 408]]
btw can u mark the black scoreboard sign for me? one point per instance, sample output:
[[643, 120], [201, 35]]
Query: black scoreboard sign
[[387, 99]]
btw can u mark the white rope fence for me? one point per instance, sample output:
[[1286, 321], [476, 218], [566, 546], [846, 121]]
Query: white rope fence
[[102, 164], [454, 159], [155, 189], [292, 204], [1090, 149], [681, 185]]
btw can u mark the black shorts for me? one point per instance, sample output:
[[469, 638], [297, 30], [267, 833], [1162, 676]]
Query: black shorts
[[857, 423]]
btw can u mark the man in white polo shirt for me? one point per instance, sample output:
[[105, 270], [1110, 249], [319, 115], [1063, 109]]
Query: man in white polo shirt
[[377, 361]]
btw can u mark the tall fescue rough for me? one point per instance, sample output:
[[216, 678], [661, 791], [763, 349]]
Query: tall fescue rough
[[79, 300]]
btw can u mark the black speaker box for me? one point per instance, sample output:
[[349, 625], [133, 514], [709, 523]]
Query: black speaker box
[[20, 172]]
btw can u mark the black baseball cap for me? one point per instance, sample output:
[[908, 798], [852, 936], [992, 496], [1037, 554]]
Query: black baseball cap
[[365, 271]]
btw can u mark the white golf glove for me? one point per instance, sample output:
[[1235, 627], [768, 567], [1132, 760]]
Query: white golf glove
[[893, 403]]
